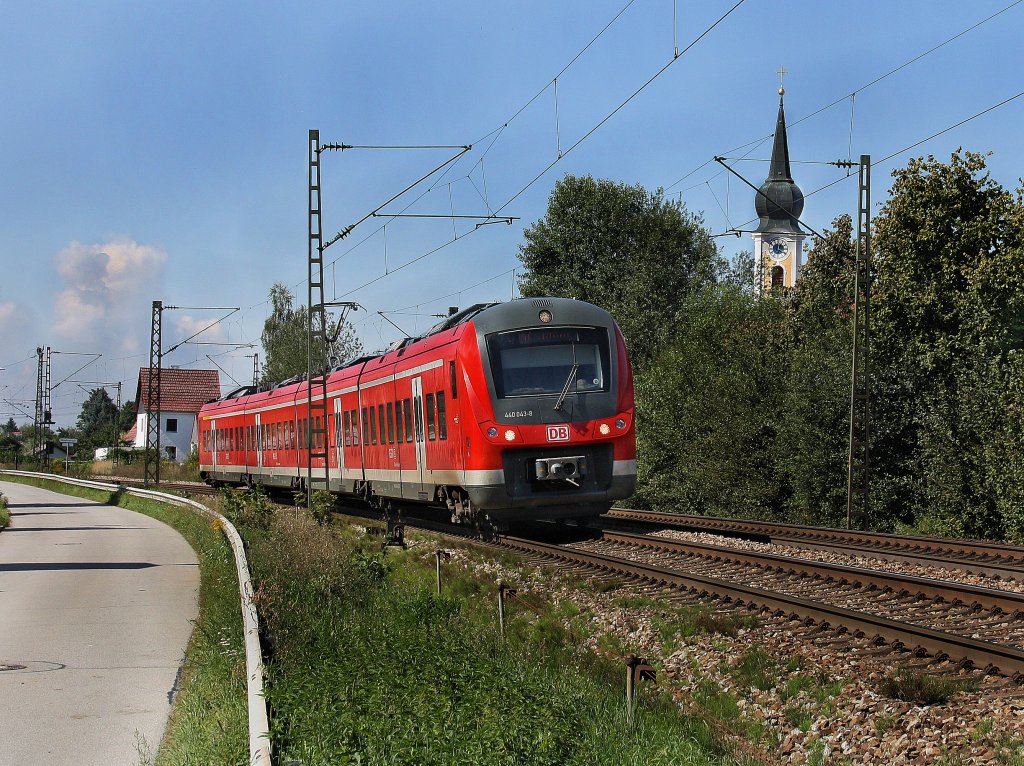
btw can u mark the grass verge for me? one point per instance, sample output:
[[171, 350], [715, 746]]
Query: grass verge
[[370, 666], [209, 719], [5, 514]]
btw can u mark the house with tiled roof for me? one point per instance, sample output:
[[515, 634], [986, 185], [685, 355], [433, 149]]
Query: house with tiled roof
[[182, 393]]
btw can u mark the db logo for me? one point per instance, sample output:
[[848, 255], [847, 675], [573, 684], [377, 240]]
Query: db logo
[[558, 433]]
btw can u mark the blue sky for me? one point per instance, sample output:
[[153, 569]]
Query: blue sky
[[156, 150]]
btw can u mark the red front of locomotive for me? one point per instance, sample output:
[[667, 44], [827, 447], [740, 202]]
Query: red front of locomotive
[[548, 411]]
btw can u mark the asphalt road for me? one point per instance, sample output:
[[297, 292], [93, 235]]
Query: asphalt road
[[96, 605]]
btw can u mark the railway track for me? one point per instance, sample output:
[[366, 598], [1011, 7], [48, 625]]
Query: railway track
[[998, 560], [973, 627], [821, 599]]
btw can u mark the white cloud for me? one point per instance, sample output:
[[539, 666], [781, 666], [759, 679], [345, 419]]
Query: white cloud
[[185, 326], [107, 288]]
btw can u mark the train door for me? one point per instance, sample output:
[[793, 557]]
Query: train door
[[259, 445], [419, 436], [339, 439]]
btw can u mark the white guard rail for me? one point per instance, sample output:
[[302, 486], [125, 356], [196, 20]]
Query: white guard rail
[[259, 726]]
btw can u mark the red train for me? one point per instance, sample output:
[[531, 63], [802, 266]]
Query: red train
[[502, 412]]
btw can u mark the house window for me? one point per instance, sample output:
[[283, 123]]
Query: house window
[[172, 425], [172, 452]]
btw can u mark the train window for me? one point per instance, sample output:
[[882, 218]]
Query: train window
[[391, 423], [455, 388], [348, 428], [442, 423], [373, 426], [366, 426], [548, 361], [319, 433], [337, 429], [431, 433], [407, 416], [398, 421], [380, 419], [355, 428]]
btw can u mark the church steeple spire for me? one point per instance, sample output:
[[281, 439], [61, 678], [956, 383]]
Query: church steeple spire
[[779, 169], [778, 238], [779, 202]]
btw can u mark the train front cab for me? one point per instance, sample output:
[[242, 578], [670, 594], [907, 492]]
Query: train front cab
[[554, 397]]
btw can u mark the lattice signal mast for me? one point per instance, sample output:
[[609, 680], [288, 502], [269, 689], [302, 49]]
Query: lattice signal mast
[[317, 437], [42, 417], [151, 456]]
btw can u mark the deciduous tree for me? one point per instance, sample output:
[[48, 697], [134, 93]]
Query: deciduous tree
[[623, 248], [949, 334], [284, 340]]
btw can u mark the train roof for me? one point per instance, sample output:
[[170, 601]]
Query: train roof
[[489, 317]]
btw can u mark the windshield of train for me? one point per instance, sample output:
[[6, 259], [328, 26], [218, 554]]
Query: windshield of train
[[548, 361]]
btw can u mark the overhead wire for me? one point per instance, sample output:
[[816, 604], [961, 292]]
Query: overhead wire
[[558, 159], [907, 148], [853, 93]]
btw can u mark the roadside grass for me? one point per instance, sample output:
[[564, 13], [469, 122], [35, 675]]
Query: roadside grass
[[169, 470], [209, 718], [369, 665], [5, 513]]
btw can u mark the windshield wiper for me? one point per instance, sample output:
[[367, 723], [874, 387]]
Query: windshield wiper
[[565, 388]]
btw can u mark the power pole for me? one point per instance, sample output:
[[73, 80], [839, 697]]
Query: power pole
[[43, 414], [857, 497], [117, 419], [317, 432], [151, 455]]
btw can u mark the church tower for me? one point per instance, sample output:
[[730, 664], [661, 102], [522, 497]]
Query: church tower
[[778, 239]]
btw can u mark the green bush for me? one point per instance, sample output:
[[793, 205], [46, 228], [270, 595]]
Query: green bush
[[320, 509], [923, 689]]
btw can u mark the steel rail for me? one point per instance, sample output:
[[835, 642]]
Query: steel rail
[[259, 726], [1007, 660], [976, 556], [952, 592]]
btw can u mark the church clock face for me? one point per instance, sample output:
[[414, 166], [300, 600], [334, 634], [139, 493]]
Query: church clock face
[[776, 249]]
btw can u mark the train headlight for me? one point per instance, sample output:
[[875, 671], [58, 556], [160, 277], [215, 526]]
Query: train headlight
[[492, 432], [544, 316], [510, 435], [605, 429], [620, 423]]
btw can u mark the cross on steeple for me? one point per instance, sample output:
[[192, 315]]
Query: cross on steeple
[[782, 76]]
